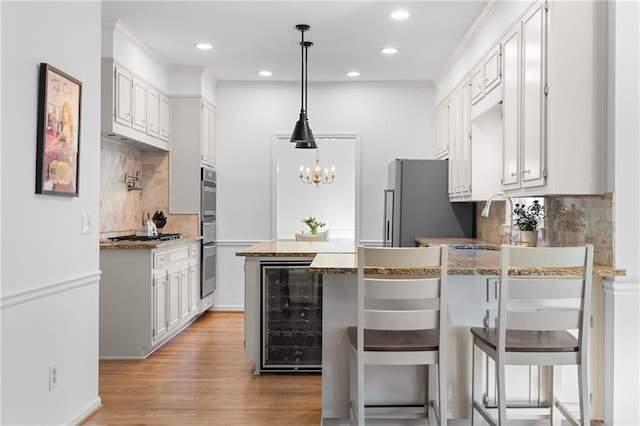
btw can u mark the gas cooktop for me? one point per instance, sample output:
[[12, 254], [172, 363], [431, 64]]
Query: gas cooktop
[[159, 237]]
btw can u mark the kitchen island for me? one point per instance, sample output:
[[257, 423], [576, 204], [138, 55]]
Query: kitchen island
[[472, 301]]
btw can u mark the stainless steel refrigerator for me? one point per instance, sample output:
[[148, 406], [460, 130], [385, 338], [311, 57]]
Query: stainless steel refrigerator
[[417, 204]]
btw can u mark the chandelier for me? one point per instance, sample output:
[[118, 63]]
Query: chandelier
[[317, 175]]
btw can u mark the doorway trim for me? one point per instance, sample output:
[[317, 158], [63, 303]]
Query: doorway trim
[[278, 138]]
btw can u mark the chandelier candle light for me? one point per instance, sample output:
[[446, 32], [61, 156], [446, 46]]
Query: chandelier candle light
[[317, 176]]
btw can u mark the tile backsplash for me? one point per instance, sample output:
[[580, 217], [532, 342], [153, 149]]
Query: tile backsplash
[[569, 220], [120, 209]]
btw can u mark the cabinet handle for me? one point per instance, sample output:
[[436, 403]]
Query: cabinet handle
[[528, 171], [514, 174]]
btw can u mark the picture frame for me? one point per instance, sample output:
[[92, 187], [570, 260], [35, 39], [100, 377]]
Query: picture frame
[[58, 139]]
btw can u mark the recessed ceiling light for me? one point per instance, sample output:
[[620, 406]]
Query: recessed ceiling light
[[265, 73], [203, 46], [389, 50], [399, 14], [353, 74]]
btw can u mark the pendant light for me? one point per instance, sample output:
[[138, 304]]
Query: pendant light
[[302, 134]]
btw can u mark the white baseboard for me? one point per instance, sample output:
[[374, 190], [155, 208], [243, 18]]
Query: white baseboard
[[86, 412], [227, 308]]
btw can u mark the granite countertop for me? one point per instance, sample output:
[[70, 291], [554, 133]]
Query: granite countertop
[[146, 244], [297, 248], [464, 261]]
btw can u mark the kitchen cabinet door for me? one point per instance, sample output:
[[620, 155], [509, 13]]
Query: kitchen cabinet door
[[139, 105], [463, 188], [153, 112], [460, 143], [442, 131], [207, 141], [194, 288], [173, 299], [511, 109], [492, 72], [123, 96], [159, 305], [164, 117], [533, 98], [524, 102], [477, 83], [184, 292], [454, 131]]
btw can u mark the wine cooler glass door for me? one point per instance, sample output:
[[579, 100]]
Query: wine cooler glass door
[[292, 318]]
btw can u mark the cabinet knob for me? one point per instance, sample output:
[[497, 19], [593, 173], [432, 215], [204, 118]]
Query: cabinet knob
[[514, 174], [528, 171]]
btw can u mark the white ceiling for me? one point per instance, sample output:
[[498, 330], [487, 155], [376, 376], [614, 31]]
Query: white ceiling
[[249, 36]]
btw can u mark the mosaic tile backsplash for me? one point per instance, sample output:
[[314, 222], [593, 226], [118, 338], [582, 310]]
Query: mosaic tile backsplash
[[121, 210], [569, 220]]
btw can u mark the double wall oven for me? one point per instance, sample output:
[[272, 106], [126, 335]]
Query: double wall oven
[[208, 218]]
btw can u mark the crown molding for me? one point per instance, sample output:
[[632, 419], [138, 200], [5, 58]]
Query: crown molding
[[117, 25], [480, 20]]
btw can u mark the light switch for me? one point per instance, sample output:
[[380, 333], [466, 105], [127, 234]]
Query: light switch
[[86, 223]]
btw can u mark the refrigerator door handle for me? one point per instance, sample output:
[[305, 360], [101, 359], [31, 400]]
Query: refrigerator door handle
[[388, 221]]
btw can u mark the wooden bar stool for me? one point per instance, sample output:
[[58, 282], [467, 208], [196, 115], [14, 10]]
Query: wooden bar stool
[[401, 320], [538, 318]]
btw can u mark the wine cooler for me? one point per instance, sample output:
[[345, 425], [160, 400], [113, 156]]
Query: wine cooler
[[291, 337]]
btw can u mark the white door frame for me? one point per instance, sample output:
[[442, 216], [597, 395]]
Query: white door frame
[[278, 138]]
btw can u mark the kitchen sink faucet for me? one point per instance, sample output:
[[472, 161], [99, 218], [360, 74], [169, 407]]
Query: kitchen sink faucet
[[485, 211]]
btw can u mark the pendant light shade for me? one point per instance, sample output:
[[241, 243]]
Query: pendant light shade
[[302, 134]]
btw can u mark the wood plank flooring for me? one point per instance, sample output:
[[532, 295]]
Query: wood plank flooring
[[201, 377]]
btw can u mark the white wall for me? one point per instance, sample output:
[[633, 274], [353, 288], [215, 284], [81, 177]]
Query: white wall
[[333, 204], [50, 271], [394, 121], [622, 296]]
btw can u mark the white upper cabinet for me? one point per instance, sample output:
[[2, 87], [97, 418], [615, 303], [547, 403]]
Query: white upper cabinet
[[153, 112], [554, 100], [460, 143], [208, 135], [442, 131], [511, 108], [486, 75], [139, 121], [123, 94], [524, 102], [133, 111], [492, 70], [164, 117]]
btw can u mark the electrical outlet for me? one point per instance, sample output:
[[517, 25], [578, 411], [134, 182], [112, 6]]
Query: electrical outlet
[[53, 376], [86, 223]]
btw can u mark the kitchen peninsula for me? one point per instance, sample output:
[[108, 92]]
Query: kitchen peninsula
[[472, 301]]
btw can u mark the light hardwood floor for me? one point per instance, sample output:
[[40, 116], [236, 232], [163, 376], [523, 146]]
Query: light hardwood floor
[[201, 377]]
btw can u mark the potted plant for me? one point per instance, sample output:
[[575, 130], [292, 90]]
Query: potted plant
[[527, 219], [313, 224]]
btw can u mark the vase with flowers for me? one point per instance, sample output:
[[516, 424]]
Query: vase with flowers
[[527, 220], [313, 224]]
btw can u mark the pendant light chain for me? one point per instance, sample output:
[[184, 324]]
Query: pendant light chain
[[306, 72], [302, 79]]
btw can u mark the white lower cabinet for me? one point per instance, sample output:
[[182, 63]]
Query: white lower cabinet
[[146, 297]]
